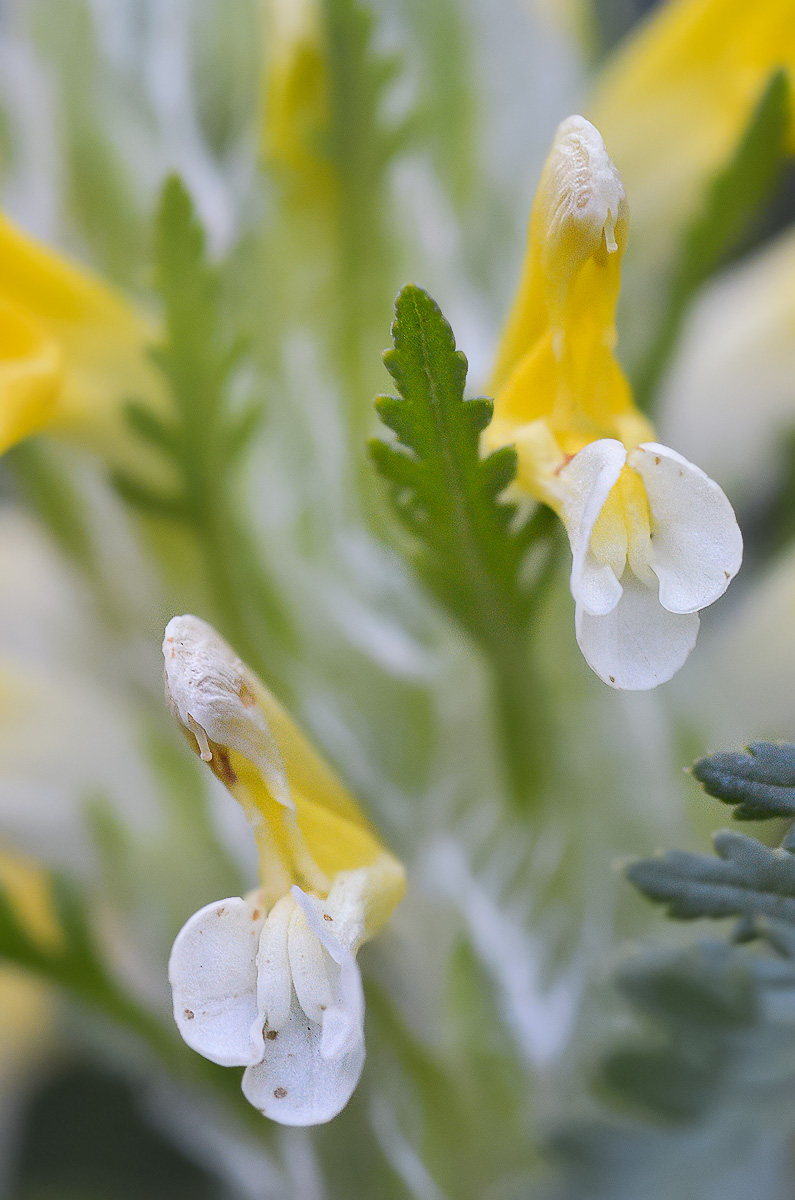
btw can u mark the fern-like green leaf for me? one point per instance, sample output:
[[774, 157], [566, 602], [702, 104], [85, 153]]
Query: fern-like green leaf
[[760, 783], [744, 878], [469, 542], [149, 500]]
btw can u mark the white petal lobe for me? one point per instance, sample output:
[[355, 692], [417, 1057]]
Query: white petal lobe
[[586, 482], [296, 1084], [697, 546], [343, 1019], [313, 971], [274, 987], [639, 644], [213, 975]]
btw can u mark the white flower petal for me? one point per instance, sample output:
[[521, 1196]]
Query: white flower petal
[[343, 1019], [296, 1083], [274, 987], [314, 973], [213, 975], [639, 644], [586, 482], [697, 546]]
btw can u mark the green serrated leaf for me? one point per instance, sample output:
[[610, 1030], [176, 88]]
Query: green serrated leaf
[[693, 1004], [454, 501], [731, 203], [240, 431], [469, 544], [152, 428], [745, 879], [204, 434], [148, 500], [760, 783]]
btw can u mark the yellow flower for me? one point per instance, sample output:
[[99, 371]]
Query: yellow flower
[[25, 1003], [296, 93], [270, 981], [653, 539], [672, 105], [674, 101], [27, 889], [71, 351]]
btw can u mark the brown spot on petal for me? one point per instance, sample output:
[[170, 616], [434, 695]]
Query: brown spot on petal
[[612, 678], [222, 766], [220, 911], [326, 917], [255, 916], [727, 574], [247, 696], [188, 1015], [272, 1034], [657, 461], [280, 1093]]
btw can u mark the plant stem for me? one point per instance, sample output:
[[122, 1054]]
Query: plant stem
[[520, 714]]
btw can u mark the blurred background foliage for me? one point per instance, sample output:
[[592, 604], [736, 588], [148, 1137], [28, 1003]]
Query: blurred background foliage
[[264, 210]]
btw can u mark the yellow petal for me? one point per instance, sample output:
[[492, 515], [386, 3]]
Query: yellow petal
[[308, 826], [27, 888], [578, 230], [296, 98], [676, 98], [556, 365], [72, 351], [31, 375]]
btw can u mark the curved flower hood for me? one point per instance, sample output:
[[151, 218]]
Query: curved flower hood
[[653, 538], [269, 981]]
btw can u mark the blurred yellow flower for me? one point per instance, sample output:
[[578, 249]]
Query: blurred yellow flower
[[27, 889], [270, 981], [653, 539], [673, 105], [677, 96], [71, 351], [296, 97], [25, 1002]]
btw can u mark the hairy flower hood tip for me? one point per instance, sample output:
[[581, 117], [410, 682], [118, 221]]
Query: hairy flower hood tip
[[269, 981], [653, 539]]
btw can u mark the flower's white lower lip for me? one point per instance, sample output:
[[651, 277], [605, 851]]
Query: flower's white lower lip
[[636, 631], [277, 993]]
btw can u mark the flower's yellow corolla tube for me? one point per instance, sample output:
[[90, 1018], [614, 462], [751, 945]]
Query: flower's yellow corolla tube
[[71, 351], [270, 981], [653, 539]]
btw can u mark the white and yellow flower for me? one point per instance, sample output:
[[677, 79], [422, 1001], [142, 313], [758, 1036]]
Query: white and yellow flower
[[270, 981], [653, 539]]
